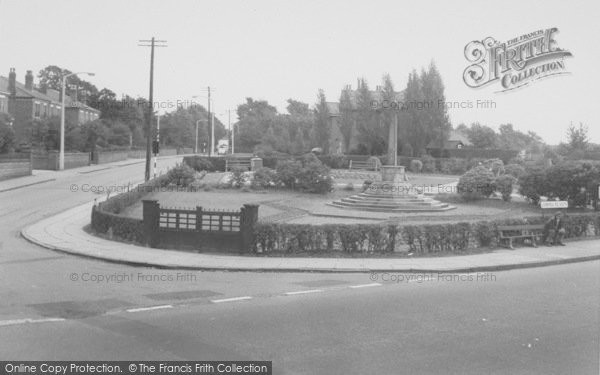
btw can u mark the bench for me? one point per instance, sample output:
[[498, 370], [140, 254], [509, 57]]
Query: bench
[[364, 165], [237, 163], [525, 231]]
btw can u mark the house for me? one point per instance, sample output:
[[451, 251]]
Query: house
[[456, 140], [25, 104], [337, 143]]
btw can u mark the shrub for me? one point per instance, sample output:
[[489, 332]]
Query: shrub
[[428, 164], [238, 177], [349, 186], [181, 175], [264, 178], [416, 166], [204, 163], [334, 161], [288, 172], [314, 177], [495, 165], [515, 170], [478, 183], [504, 185], [532, 184], [366, 185]]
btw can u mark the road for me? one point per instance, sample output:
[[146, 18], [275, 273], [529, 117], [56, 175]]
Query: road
[[55, 306]]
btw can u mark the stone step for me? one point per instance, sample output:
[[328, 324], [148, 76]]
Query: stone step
[[444, 207], [388, 204]]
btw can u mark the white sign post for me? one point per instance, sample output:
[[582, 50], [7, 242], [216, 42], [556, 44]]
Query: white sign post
[[554, 204]]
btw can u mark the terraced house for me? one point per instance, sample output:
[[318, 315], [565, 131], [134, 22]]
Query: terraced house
[[25, 104]]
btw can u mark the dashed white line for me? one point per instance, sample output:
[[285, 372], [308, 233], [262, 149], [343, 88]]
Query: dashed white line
[[150, 308], [364, 285], [234, 299], [27, 320], [303, 292]]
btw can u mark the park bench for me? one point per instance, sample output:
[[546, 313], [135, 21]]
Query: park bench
[[230, 164], [508, 233], [369, 165]]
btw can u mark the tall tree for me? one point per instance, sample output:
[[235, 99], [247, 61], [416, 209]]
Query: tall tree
[[434, 116], [347, 118], [482, 136], [577, 137], [322, 122]]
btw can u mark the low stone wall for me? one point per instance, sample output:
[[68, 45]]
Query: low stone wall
[[14, 167], [103, 157], [50, 160], [141, 154]]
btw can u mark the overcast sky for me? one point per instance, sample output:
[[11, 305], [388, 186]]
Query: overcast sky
[[276, 50]]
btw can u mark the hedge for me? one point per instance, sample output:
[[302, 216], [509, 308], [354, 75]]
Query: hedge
[[106, 214], [126, 228], [418, 239]]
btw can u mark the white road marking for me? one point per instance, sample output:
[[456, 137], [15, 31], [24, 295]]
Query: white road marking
[[231, 299], [303, 292], [364, 285], [149, 308], [25, 321]]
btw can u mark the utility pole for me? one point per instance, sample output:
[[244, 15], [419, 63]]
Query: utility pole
[[153, 43], [210, 134], [229, 127]]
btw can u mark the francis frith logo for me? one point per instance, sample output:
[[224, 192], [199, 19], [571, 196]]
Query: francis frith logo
[[515, 63]]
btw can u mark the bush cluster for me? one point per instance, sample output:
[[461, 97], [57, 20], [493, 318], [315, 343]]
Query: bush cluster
[[205, 163], [418, 239], [576, 182], [181, 175], [477, 183]]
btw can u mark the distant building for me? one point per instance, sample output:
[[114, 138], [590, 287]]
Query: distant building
[[25, 104], [337, 144], [456, 140]]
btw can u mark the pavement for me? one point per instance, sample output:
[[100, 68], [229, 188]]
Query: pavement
[[65, 233]]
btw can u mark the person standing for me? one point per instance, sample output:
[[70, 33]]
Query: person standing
[[555, 228]]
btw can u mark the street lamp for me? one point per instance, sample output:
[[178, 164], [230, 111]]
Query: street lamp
[[61, 155]]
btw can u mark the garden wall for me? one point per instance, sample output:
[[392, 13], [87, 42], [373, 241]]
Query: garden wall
[[103, 157], [15, 165], [49, 160]]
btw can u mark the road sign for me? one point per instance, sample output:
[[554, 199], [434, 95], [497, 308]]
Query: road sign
[[555, 204]]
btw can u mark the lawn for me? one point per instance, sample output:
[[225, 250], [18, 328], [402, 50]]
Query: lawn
[[302, 208]]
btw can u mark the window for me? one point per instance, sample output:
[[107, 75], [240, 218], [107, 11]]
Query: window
[[37, 109]]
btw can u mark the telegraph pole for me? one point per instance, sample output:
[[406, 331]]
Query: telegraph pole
[[210, 149], [152, 43]]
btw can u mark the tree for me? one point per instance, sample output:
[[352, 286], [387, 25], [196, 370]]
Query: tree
[[482, 136], [7, 134], [256, 116], [435, 116], [366, 121], [347, 118], [577, 137], [51, 78], [511, 139], [322, 124], [414, 130]]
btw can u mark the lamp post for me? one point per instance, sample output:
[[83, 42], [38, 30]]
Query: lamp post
[[61, 155]]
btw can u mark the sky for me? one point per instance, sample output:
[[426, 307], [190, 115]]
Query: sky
[[276, 50]]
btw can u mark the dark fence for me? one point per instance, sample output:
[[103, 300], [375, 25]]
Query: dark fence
[[198, 228]]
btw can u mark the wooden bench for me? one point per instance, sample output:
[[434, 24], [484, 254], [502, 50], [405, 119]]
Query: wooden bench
[[237, 163], [525, 231], [364, 165]]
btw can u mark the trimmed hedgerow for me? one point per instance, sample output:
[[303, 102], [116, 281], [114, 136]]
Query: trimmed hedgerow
[[417, 239], [126, 228]]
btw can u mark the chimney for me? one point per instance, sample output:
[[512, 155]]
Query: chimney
[[29, 80], [12, 82]]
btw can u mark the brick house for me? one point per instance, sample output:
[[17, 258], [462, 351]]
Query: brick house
[[25, 104]]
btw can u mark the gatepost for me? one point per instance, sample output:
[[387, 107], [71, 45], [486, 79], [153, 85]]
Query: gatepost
[[151, 214], [248, 219]]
